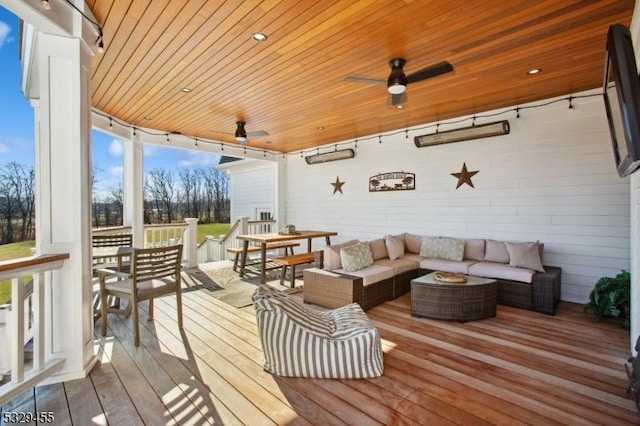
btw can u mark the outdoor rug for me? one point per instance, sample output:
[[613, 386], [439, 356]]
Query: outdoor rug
[[226, 285]]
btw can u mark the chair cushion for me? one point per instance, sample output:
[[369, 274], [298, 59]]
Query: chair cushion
[[461, 267], [356, 257], [124, 286], [501, 271], [399, 266], [371, 274]]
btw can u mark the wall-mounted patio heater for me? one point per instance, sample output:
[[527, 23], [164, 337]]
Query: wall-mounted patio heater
[[341, 154], [467, 133]]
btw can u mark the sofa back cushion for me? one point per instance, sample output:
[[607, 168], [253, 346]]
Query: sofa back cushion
[[356, 257], [474, 249], [496, 251], [442, 248], [395, 246], [332, 254], [378, 249], [525, 255], [413, 243]]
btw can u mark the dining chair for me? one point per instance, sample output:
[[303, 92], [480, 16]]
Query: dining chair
[[154, 272], [103, 243]]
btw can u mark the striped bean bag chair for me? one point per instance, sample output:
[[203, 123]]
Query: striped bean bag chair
[[301, 342]]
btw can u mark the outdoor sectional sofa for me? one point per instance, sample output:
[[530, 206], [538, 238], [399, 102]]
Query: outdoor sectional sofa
[[380, 270]]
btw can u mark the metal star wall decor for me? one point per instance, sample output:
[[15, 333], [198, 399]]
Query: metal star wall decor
[[464, 176], [337, 185]]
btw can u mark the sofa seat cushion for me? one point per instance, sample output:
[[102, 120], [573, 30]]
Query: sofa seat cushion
[[458, 267], [501, 271], [399, 266], [370, 274]]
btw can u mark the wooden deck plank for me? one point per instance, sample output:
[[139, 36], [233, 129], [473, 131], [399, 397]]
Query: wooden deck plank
[[175, 356], [518, 368], [84, 405], [233, 365], [52, 398]]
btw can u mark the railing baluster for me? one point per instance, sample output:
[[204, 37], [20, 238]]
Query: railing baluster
[[17, 324], [38, 320]]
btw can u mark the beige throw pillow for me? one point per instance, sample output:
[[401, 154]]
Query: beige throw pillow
[[413, 243], [525, 255], [395, 246], [356, 257]]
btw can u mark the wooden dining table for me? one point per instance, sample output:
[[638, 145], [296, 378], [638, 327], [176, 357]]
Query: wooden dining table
[[264, 239]]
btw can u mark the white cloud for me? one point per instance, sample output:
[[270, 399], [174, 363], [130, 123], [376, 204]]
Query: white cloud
[[198, 159], [116, 148], [3, 148], [5, 29], [116, 171]]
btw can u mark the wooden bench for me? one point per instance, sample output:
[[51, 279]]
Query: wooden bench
[[287, 246], [292, 261]]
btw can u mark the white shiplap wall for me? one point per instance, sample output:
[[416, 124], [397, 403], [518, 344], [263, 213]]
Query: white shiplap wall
[[252, 184], [551, 179]]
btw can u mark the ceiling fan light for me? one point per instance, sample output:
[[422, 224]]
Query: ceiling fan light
[[241, 133], [396, 88]]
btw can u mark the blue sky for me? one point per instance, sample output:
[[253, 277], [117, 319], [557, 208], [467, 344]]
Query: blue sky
[[16, 124]]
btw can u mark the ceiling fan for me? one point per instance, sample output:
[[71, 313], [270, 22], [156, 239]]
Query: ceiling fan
[[398, 80], [242, 136]]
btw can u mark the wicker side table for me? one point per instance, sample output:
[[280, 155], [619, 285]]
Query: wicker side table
[[473, 300]]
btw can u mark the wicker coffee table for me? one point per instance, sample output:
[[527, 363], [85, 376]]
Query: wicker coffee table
[[473, 300]]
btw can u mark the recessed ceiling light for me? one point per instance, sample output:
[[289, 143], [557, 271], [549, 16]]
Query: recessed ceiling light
[[146, 118], [320, 128], [399, 106], [186, 89], [534, 71], [259, 37]]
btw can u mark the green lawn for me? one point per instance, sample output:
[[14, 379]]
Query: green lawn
[[12, 251], [23, 249]]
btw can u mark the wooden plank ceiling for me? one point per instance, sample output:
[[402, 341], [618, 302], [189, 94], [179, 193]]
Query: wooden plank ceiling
[[294, 83]]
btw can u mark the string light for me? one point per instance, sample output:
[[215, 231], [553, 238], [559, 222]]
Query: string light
[[473, 122], [196, 141], [355, 142], [168, 138], [99, 41], [406, 133]]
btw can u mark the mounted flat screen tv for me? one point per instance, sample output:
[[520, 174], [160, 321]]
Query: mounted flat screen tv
[[622, 99]]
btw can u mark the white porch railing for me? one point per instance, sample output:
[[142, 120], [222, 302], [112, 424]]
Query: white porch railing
[[23, 320], [164, 235], [213, 249]]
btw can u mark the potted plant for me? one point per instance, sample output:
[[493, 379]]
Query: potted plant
[[611, 297]]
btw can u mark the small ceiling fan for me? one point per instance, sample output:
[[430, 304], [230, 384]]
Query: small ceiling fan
[[242, 136], [398, 80]]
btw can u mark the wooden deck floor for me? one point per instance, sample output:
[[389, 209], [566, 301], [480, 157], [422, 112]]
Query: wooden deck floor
[[518, 368]]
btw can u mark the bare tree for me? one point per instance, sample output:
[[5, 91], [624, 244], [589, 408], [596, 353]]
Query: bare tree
[[17, 202], [117, 198], [161, 185]]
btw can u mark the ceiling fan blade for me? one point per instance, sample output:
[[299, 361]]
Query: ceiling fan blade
[[258, 133], [364, 79], [429, 72]]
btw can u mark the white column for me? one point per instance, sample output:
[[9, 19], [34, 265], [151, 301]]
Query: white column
[[63, 198], [133, 188]]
